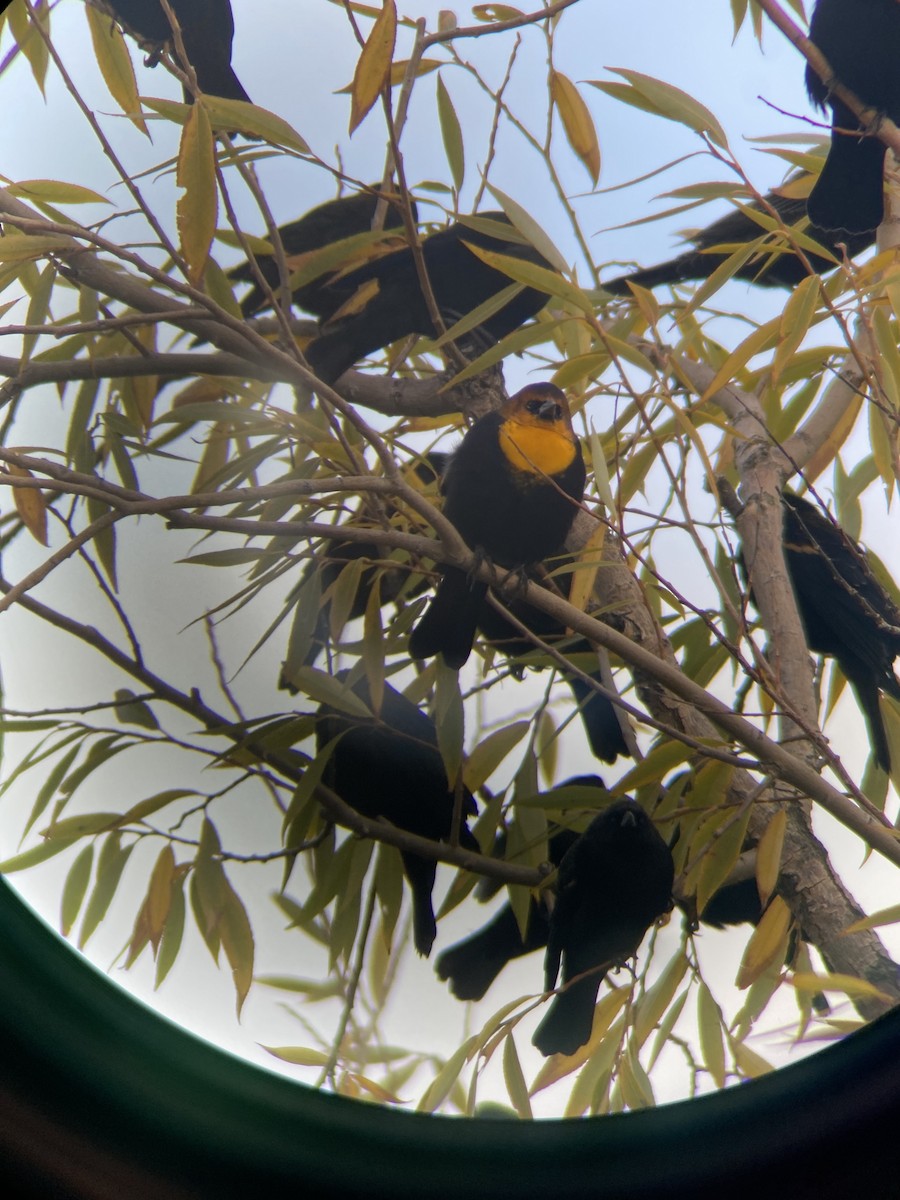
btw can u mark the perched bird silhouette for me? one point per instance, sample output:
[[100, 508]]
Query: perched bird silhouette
[[773, 264], [389, 766], [613, 884], [330, 563], [472, 964], [598, 714], [382, 301], [207, 30], [861, 41], [845, 611], [333, 221], [512, 489]]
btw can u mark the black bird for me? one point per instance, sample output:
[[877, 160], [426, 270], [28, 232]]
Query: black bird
[[782, 268], [613, 884], [382, 301], [598, 715], [844, 609], [336, 556], [331, 222], [846, 612], [512, 489], [207, 30], [861, 41], [472, 964], [390, 766]]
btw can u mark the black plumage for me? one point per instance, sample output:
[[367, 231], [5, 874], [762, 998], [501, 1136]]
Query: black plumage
[[512, 489], [768, 269], [207, 30], [336, 555], [390, 766], [845, 610], [472, 964], [613, 884], [382, 301], [333, 221], [861, 41], [598, 715]]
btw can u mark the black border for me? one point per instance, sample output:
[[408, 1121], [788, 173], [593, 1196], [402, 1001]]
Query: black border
[[102, 1098]]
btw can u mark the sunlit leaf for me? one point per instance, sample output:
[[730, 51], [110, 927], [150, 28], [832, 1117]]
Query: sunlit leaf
[[577, 122], [768, 856], [198, 206], [30, 504], [767, 943], [373, 70], [115, 64]]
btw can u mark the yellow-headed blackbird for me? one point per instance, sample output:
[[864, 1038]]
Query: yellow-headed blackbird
[[845, 611], [613, 884], [331, 222], [331, 562], [781, 269], [598, 715], [472, 965], [382, 301], [861, 41], [207, 30], [512, 489], [389, 766]]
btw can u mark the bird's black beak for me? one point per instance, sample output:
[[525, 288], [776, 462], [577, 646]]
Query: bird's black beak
[[549, 410], [629, 820]]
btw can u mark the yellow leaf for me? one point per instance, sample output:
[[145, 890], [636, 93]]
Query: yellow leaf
[[198, 206], [657, 998], [298, 1055], [884, 916], [795, 322], [558, 1066], [577, 122], [29, 41], [515, 1080], [30, 505], [758, 341], [373, 71], [674, 104], [767, 942], [807, 981], [839, 433], [490, 753], [374, 1089], [748, 1062], [768, 856], [725, 842], [439, 1088], [712, 1046], [115, 65], [591, 555]]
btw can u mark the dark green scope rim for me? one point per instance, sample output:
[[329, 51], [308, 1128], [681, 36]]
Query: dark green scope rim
[[101, 1097]]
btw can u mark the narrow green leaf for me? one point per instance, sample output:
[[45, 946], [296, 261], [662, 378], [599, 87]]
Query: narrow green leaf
[[451, 133], [74, 889]]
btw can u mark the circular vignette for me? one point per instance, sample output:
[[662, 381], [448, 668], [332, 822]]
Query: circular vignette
[[102, 1098]]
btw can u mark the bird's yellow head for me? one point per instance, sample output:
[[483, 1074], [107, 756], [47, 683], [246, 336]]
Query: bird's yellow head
[[536, 434]]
